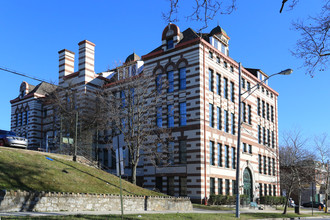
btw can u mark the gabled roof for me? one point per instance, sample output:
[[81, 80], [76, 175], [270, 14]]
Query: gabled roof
[[42, 89]]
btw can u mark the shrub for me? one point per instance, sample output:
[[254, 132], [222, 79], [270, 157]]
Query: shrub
[[272, 200]]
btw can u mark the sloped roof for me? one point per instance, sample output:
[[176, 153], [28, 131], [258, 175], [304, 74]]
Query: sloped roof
[[132, 57]]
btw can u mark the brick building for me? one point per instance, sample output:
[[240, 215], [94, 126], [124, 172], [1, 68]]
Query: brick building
[[200, 105]]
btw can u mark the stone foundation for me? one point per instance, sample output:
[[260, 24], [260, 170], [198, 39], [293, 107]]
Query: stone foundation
[[14, 201]]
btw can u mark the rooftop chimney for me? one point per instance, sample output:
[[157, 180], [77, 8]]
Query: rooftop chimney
[[86, 60], [66, 64]]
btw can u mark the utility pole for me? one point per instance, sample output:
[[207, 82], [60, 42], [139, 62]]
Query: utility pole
[[75, 139]]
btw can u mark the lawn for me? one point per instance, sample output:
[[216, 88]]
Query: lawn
[[190, 216], [35, 171]]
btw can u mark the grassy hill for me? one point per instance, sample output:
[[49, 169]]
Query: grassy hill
[[32, 171]]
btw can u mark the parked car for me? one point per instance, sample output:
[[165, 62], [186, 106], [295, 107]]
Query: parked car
[[10, 139], [315, 204]]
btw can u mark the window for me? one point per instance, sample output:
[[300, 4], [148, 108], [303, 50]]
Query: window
[[232, 92], [159, 183], [218, 84], [23, 118], [219, 155], [158, 158], [211, 115], [210, 80], [248, 86], [265, 165], [267, 111], [218, 118], [259, 134], [183, 114], [170, 78], [210, 55], [233, 186], [272, 113], [244, 147], [258, 106], [273, 140], [170, 153], [159, 83], [212, 186], [182, 186], [268, 138], [225, 64], [274, 190], [231, 69], [250, 148], [265, 188], [105, 157], [17, 120], [260, 190], [212, 160], [170, 44], [225, 88], [218, 59], [170, 185], [249, 115], [227, 187], [260, 165], [182, 152], [233, 156], [226, 156], [182, 78], [27, 117], [232, 123], [159, 117], [243, 83], [270, 189], [263, 108], [226, 128], [243, 111], [273, 166], [264, 135], [170, 116], [220, 186], [269, 167]]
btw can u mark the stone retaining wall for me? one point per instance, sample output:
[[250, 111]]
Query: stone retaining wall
[[14, 201]]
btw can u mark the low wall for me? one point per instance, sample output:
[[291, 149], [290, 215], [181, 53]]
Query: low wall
[[14, 201]]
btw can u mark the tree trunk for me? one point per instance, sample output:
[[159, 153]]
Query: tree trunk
[[133, 175], [286, 202]]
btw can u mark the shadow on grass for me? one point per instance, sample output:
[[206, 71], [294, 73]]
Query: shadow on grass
[[87, 173]]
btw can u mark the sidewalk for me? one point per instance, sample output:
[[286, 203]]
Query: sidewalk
[[195, 210]]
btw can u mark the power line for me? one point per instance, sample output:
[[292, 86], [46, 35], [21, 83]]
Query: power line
[[21, 74]]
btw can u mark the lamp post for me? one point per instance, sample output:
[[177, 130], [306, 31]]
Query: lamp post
[[250, 91]]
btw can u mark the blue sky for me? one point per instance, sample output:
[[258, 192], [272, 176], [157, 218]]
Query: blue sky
[[32, 32]]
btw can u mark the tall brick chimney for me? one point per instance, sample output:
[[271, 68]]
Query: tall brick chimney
[[86, 60], [66, 64]]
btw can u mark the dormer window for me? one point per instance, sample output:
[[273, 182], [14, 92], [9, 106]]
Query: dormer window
[[22, 94], [170, 44]]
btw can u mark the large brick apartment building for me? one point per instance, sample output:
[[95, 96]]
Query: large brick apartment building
[[202, 94]]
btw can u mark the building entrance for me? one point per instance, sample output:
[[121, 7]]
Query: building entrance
[[247, 181]]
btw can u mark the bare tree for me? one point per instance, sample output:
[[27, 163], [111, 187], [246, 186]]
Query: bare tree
[[131, 106], [314, 46], [77, 117], [202, 10], [322, 149], [296, 164]]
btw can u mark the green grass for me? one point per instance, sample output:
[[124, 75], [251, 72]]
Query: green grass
[[191, 216], [31, 171], [215, 207]]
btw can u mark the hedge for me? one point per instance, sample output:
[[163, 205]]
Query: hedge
[[225, 200], [272, 200]]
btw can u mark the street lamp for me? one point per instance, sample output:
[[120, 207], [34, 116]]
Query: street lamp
[[250, 91]]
